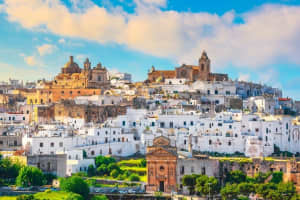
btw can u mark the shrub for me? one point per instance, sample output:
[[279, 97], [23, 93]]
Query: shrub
[[143, 163], [114, 173], [49, 178], [134, 177], [76, 185], [30, 176], [25, 197], [73, 196], [91, 170], [99, 197]]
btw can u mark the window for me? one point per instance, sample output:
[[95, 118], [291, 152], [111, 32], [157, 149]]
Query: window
[[92, 153], [61, 144], [123, 123], [41, 144], [134, 124], [71, 92], [161, 168], [184, 123], [182, 170], [152, 123], [210, 142], [171, 124], [162, 124], [216, 92], [99, 78], [229, 143], [230, 126], [227, 92], [203, 171], [52, 144], [192, 123], [114, 132], [184, 142], [1, 142], [62, 92], [208, 91], [192, 169], [23, 118]]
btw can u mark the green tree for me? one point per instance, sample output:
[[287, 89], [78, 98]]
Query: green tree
[[265, 188], [9, 170], [134, 177], [287, 190], [102, 170], [91, 170], [143, 163], [49, 178], [207, 185], [246, 188], [230, 192], [274, 195], [99, 160], [277, 177], [30, 176], [261, 177], [76, 185], [190, 182], [114, 173], [236, 177], [113, 166]]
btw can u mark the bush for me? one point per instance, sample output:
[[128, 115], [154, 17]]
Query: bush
[[80, 174], [76, 185], [114, 173], [112, 166], [49, 178], [102, 170], [134, 177], [99, 160], [277, 177], [143, 163], [30, 176], [99, 197], [73, 196], [25, 197], [91, 170]]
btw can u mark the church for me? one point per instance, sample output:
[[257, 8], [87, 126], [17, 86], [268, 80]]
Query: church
[[191, 73]]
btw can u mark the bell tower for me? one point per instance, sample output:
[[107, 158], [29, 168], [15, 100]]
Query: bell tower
[[87, 65], [204, 66]]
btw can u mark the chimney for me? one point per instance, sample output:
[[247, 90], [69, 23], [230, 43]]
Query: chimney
[[71, 59]]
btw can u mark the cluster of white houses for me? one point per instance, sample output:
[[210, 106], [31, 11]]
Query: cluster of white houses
[[227, 132]]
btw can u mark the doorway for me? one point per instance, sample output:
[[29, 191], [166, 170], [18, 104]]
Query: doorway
[[161, 186]]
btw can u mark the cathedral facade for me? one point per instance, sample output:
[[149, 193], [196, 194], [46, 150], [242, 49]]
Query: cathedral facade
[[192, 73], [73, 81]]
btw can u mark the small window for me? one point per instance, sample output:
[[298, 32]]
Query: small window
[[52, 144], [41, 144]]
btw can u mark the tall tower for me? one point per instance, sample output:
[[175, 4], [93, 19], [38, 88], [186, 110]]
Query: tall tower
[[87, 65], [204, 66]]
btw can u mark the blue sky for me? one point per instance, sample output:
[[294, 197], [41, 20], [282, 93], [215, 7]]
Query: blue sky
[[250, 40]]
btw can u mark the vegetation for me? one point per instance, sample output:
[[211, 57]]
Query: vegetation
[[76, 185], [8, 171], [107, 167], [30, 176], [269, 186]]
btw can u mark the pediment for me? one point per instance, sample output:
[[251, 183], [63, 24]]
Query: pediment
[[161, 141], [161, 152]]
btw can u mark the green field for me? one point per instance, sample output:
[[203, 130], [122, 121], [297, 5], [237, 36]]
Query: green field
[[43, 195]]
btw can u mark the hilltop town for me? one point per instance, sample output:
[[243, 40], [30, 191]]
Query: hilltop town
[[177, 123]]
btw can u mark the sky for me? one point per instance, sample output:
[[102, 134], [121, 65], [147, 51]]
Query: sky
[[253, 40]]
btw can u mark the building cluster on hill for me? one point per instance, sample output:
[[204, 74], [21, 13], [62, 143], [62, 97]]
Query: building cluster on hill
[[60, 125]]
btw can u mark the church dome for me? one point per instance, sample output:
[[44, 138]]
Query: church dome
[[71, 67]]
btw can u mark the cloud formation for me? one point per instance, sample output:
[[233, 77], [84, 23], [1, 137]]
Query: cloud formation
[[46, 49], [267, 34]]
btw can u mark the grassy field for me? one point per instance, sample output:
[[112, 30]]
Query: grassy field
[[43, 195]]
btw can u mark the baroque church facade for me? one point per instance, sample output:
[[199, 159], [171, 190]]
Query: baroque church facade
[[192, 73]]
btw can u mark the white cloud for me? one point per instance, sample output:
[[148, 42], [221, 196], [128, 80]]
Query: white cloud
[[46, 49], [268, 34], [62, 41], [30, 60], [244, 77]]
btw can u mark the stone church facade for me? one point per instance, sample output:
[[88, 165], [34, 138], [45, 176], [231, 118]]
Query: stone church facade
[[192, 73], [161, 164]]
